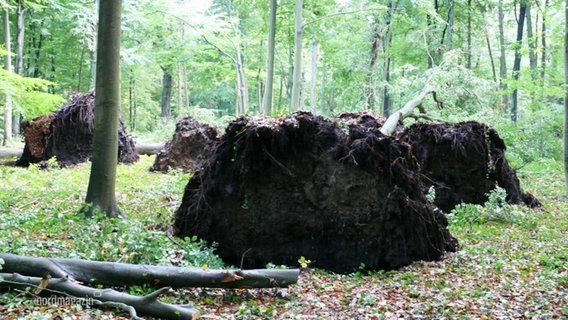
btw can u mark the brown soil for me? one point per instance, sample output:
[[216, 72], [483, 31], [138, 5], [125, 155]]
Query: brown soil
[[67, 135], [338, 193], [191, 145]]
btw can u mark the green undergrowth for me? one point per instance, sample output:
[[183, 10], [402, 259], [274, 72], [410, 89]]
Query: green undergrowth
[[40, 216], [512, 262]]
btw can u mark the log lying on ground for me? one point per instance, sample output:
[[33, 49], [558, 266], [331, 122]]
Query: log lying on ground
[[75, 292], [119, 274], [10, 152], [141, 148]]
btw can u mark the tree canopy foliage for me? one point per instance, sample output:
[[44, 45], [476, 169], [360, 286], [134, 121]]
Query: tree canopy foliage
[[374, 54]]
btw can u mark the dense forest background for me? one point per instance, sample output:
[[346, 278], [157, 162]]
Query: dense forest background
[[495, 61]]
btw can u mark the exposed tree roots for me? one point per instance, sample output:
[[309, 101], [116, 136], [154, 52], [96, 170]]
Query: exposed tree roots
[[341, 195], [67, 135], [191, 145]]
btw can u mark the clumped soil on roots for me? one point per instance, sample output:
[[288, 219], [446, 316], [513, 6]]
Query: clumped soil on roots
[[191, 146], [339, 194], [67, 134], [463, 162]]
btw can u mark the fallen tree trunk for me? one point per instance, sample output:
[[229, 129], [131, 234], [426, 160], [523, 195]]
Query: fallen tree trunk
[[120, 274], [149, 148], [392, 121], [142, 148], [74, 292], [10, 152]]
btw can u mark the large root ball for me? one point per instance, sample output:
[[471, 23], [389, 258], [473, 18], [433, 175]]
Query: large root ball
[[463, 162], [67, 135], [191, 145], [341, 195]]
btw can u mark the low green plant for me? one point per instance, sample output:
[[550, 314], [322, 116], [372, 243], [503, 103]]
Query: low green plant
[[496, 210]]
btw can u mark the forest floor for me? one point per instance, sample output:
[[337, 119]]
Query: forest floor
[[513, 261]]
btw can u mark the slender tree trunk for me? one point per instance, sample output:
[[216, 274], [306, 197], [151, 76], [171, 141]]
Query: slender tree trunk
[[449, 30], [313, 93], [543, 45], [80, 72], [179, 102], [101, 190], [387, 100], [503, 57], [489, 50], [566, 95], [241, 85], [532, 44], [8, 67], [297, 76], [166, 93], [20, 39], [372, 83], [517, 62], [469, 9], [19, 58], [131, 104], [268, 90], [324, 111], [38, 47]]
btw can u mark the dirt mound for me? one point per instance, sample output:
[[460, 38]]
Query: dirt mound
[[191, 145], [67, 134], [341, 195], [463, 162]]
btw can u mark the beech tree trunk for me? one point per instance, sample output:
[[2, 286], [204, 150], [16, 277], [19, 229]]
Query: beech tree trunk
[[101, 190], [297, 74], [517, 62], [267, 99], [8, 67], [566, 96], [166, 93], [503, 57]]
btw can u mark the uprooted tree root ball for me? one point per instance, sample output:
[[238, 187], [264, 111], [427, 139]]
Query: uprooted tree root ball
[[67, 135], [191, 145], [341, 195], [463, 163]]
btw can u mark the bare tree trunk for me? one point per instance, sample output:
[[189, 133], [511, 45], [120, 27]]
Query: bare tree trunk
[[387, 100], [372, 83], [297, 76], [532, 44], [517, 62], [20, 39], [503, 57], [313, 93], [241, 85], [469, 8], [566, 96], [101, 190], [8, 67], [543, 46], [268, 90], [166, 93]]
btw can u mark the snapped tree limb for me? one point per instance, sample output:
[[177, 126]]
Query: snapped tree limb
[[144, 305]]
